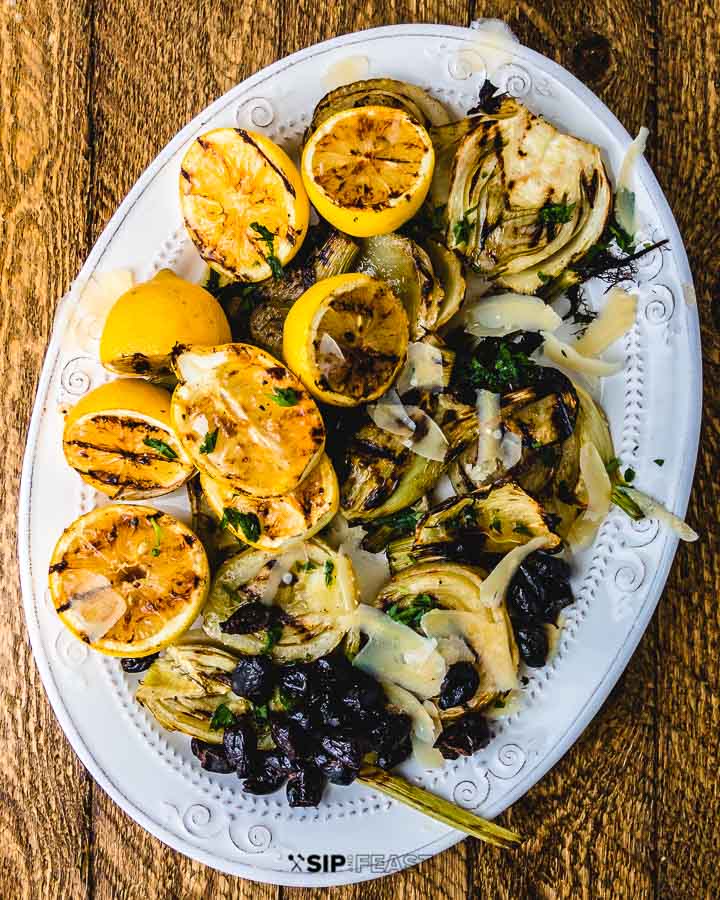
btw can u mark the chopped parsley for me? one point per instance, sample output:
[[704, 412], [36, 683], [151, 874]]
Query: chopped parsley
[[461, 228], [629, 475], [612, 465], [162, 448], [521, 528], [269, 238], [496, 525], [222, 718], [158, 535], [329, 568], [209, 441], [544, 278], [509, 367], [285, 396], [557, 213], [659, 462], [248, 523], [412, 614], [261, 712], [307, 566], [272, 636]]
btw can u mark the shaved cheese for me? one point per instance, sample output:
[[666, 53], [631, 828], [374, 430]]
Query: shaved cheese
[[501, 315], [390, 415], [689, 294], [423, 369], [454, 649], [396, 653], [597, 486], [510, 450], [423, 725], [568, 357], [428, 439], [426, 755], [653, 509], [615, 320], [329, 353], [488, 632], [494, 587], [625, 196], [489, 434], [371, 569], [95, 607]]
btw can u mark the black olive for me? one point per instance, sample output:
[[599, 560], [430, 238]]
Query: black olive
[[464, 736], [332, 670], [532, 644], [301, 717], [539, 589], [132, 664], [250, 617], [268, 774], [305, 787], [363, 694], [240, 742], [345, 747], [390, 757], [335, 770], [254, 678], [326, 712], [294, 681], [391, 730], [212, 756], [459, 685], [290, 738]]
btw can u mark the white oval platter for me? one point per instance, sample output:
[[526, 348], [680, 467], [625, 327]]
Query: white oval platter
[[653, 405]]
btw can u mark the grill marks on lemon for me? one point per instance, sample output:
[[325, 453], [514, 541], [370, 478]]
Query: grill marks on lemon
[[270, 433], [368, 170], [280, 520], [128, 580], [119, 440], [346, 338], [244, 203]]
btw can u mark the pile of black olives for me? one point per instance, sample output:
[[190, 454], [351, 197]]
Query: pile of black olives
[[334, 715], [539, 590]]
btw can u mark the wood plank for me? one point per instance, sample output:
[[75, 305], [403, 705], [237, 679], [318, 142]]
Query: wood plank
[[687, 163], [157, 65], [44, 815]]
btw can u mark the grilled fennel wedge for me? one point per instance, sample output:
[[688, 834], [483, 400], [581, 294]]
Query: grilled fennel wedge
[[312, 587], [184, 688], [525, 201]]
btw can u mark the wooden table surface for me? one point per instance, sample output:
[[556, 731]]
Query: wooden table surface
[[89, 93]]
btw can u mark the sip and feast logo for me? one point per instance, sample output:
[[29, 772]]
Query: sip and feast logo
[[377, 863]]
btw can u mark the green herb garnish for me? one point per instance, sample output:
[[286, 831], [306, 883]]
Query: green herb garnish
[[248, 523], [261, 712], [557, 213], [629, 475], [496, 525], [329, 569], [285, 396], [266, 235], [461, 228], [521, 528], [659, 462], [222, 718], [209, 441], [162, 448], [272, 636], [509, 367], [544, 278], [307, 566], [412, 614], [612, 465]]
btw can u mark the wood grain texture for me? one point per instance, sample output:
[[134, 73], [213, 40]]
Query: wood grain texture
[[89, 94], [44, 812]]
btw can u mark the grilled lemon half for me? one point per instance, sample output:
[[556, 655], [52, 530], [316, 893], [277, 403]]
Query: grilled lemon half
[[346, 339], [244, 203], [368, 170], [271, 523], [119, 439], [151, 318], [128, 580], [245, 419]]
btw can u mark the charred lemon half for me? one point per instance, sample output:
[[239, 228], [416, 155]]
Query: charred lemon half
[[346, 338], [147, 321], [128, 580], [272, 522], [245, 419], [119, 439], [244, 203], [368, 170]]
